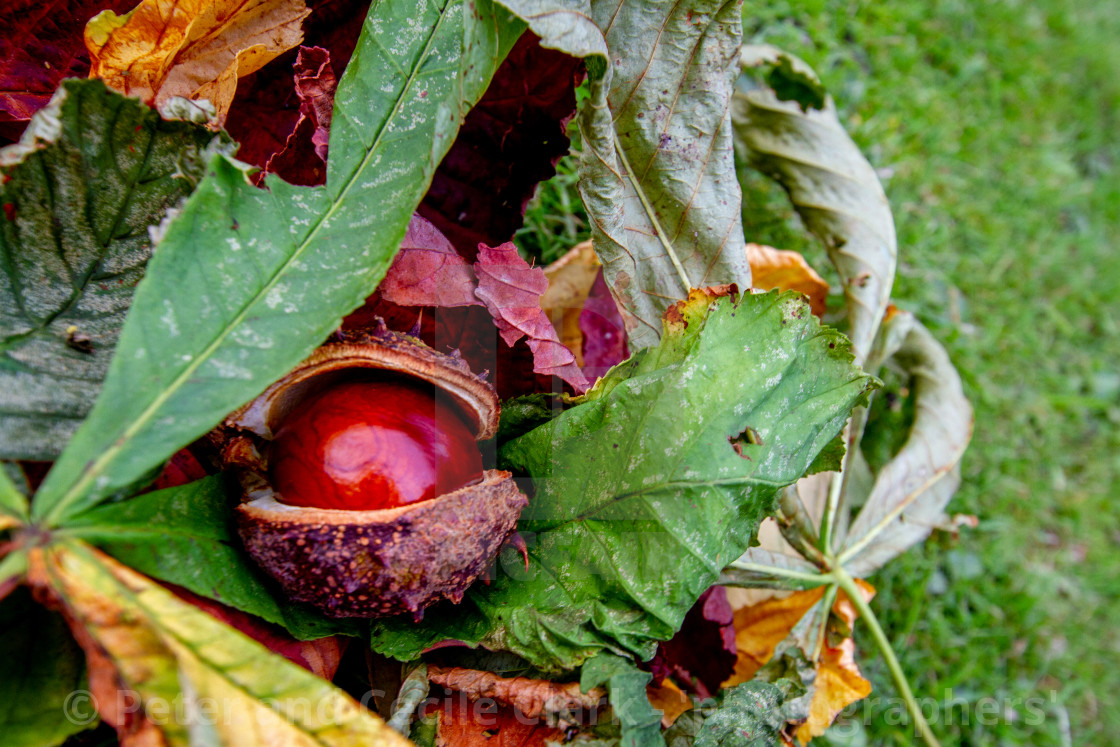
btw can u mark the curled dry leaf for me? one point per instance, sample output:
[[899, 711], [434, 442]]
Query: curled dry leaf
[[556, 702], [303, 159], [194, 49], [786, 270], [910, 493], [832, 186], [465, 723], [511, 291]]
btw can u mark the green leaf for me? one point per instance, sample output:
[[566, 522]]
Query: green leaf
[[657, 173], [167, 652], [832, 186], [41, 676], [641, 499], [248, 281], [185, 535], [92, 173], [749, 715], [640, 722], [13, 503]]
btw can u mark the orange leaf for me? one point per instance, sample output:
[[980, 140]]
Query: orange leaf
[[759, 628], [487, 724], [555, 701], [785, 270], [670, 700], [196, 49]]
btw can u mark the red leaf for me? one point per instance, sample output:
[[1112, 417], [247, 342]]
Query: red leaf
[[512, 290], [304, 157], [428, 271], [604, 333], [703, 652], [267, 108], [41, 44], [508, 143]]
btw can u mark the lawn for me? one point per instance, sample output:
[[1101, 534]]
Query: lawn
[[992, 126]]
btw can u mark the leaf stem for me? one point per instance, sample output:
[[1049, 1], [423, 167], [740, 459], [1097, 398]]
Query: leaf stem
[[652, 216], [820, 579], [848, 584]]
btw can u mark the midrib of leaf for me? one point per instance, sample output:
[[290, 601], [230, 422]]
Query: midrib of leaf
[[77, 491], [648, 208]]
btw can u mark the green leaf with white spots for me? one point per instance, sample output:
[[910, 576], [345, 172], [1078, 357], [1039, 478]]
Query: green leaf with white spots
[[642, 497], [247, 281], [93, 172]]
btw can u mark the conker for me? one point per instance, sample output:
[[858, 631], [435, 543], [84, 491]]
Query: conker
[[362, 481], [373, 444]]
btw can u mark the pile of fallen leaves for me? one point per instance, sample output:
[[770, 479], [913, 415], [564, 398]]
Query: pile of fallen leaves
[[196, 194]]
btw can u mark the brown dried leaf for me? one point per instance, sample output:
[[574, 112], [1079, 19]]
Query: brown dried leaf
[[786, 270], [196, 49], [534, 698], [480, 724], [669, 699]]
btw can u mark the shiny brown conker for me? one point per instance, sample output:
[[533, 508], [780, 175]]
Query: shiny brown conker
[[363, 445]]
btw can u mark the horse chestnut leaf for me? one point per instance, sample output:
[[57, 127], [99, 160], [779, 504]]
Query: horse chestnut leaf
[[362, 445]]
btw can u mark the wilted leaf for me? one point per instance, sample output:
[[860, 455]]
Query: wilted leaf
[[185, 536], [509, 142], [93, 173], [41, 45], [303, 159], [163, 651], [427, 271], [785, 270], [625, 481], [195, 49], [657, 174], [248, 281], [832, 186], [40, 667], [702, 653], [556, 702], [511, 291], [910, 493]]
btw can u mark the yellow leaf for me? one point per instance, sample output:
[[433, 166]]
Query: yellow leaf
[[669, 699], [182, 676], [196, 49], [569, 283], [785, 270], [839, 682]]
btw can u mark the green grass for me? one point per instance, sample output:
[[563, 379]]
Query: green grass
[[994, 126]]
